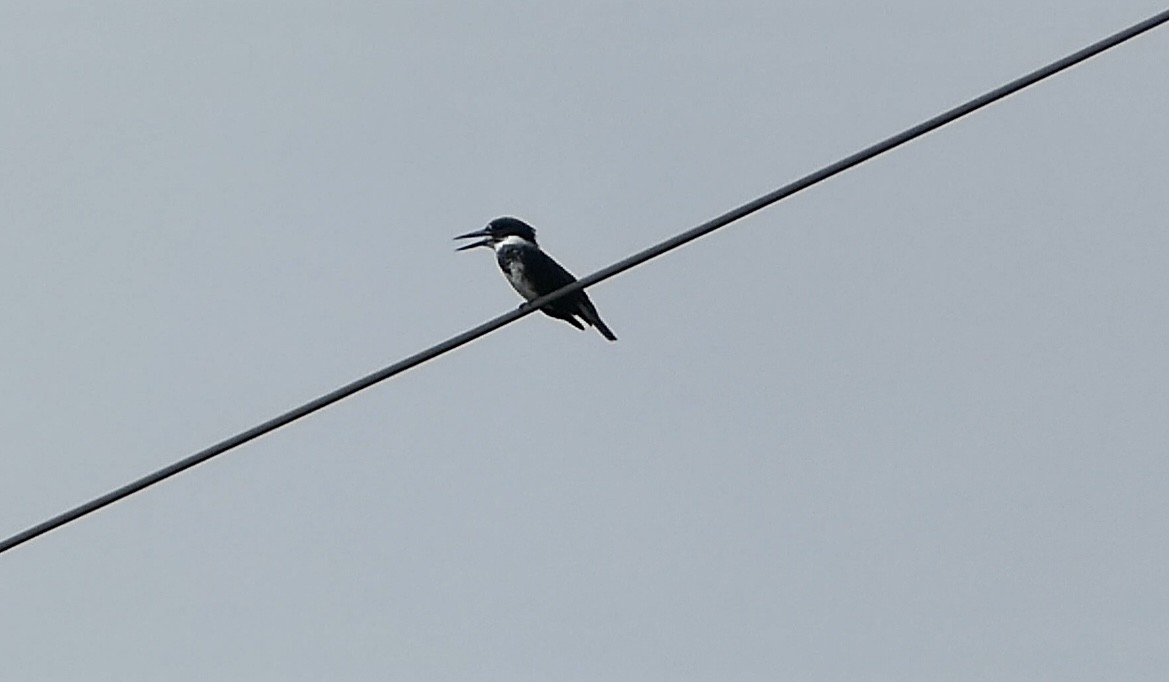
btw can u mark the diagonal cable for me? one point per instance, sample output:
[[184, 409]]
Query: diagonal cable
[[598, 276]]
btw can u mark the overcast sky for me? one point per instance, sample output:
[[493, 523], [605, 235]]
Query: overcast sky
[[908, 425]]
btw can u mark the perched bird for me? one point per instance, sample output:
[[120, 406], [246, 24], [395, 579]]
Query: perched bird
[[533, 273]]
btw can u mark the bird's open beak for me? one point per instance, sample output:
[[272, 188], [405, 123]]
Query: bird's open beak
[[471, 235]]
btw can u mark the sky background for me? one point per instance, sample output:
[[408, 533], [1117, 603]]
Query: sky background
[[907, 425]]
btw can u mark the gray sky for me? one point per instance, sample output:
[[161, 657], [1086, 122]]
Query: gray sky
[[909, 425]]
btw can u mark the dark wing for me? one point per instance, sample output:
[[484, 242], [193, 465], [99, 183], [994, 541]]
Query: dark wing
[[546, 274], [550, 276]]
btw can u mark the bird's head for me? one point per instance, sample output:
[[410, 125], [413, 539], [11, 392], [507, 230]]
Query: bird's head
[[498, 230]]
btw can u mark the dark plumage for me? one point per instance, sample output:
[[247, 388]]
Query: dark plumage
[[533, 273]]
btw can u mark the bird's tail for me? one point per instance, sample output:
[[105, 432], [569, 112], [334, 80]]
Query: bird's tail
[[603, 328], [588, 312]]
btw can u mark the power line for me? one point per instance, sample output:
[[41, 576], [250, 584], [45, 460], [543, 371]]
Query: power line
[[598, 276]]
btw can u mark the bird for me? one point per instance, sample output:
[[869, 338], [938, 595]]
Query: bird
[[533, 273]]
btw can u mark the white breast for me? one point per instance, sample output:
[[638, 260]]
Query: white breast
[[519, 280], [514, 265]]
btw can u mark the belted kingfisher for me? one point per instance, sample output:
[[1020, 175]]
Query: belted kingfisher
[[533, 273]]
